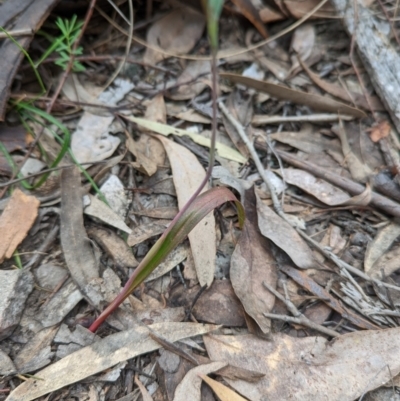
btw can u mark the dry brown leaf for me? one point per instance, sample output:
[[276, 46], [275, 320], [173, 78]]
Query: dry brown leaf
[[322, 190], [102, 355], [284, 236], [268, 15], [343, 94], [303, 41], [75, 244], [380, 244], [242, 109], [144, 163], [303, 98], [248, 10], [223, 392], [144, 232], [189, 388], [15, 222], [166, 212], [311, 368], [143, 390], [252, 263], [379, 131], [298, 9], [177, 32], [114, 246], [387, 264], [307, 140], [359, 170], [194, 76], [187, 174]]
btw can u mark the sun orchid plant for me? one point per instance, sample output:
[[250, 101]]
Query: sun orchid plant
[[199, 205]]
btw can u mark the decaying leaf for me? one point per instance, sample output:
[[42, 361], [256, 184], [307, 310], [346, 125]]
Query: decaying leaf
[[322, 190], [310, 368], [380, 244], [15, 222], [163, 129], [189, 387], [145, 394], [252, 263], [187, 174], [102, 355], [284, 236], [114, 246], [191, 82], [248, 10], [78, 253], [96, 208], [359, 170], [306, 99], [177, 32], [144, 232]]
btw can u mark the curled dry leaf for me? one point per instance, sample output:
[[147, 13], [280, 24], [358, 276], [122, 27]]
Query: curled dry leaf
[[102, 355], [284, 236], [252, 263], [188, 173], [306, 99], [177, 32], [311, 368], [15, 222], [380, 244]]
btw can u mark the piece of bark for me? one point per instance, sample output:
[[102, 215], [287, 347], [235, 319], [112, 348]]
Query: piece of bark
[[15, 286], [379, 57], [22, 14]]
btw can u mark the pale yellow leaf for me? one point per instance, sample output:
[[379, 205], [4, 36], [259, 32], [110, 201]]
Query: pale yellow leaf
[[163, 129]]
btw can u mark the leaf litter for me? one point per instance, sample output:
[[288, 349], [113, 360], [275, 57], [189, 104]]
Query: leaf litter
[[338, 268]]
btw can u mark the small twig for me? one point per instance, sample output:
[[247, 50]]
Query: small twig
[[298, 318], [17, 32], [314, 118], [240, 130]]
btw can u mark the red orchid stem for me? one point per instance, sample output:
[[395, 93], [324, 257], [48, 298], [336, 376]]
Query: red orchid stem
[[124, 292]]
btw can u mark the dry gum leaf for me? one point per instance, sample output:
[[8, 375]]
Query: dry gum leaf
[[223, 392], [252, 263], [283, 93], [309, 368], [177, 32], [15, 222], [102, 355], [284, 236]]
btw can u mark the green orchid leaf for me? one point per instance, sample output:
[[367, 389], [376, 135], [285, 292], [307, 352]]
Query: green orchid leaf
[[212, 9], [173, 236]]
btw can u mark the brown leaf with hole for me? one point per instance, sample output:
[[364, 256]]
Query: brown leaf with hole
[[311, 368], [303, 98], [177, 32], [16, 221], [252, 263], [284, 236]]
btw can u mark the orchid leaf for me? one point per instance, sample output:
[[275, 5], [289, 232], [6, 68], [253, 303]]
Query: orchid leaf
[[173, 236], [213, 9]]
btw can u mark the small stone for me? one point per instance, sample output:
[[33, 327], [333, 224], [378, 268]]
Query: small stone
[[6, 365], [168, 361], [15, 286]]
